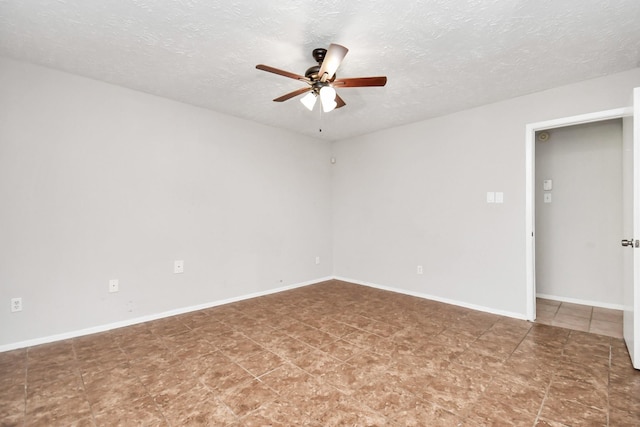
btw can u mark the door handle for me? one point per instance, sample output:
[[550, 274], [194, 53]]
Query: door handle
[[631, 243]]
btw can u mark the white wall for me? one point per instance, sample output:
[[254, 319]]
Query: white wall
[[416, 195], [98, 182], [578, 252]]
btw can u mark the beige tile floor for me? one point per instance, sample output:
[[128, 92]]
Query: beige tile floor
[[331, 354], [578, 317]]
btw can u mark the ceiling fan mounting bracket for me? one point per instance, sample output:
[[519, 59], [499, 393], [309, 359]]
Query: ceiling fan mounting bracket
[[319, 54]]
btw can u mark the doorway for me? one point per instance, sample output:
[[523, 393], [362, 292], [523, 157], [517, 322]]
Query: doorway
[[578, 214], [531, 131], [578, 222]]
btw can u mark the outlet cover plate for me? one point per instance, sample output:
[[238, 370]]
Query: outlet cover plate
[[178, 266], [114, 285]]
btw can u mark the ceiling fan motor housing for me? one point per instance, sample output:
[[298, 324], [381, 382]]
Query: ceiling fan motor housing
[[312, 72]]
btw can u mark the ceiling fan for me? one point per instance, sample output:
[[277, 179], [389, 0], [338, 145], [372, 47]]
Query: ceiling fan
[[322, 80]]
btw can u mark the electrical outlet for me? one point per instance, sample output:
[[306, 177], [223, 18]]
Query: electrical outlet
[[419, 270], [16, 304], [178, 266], [114, 286], [317, 260]]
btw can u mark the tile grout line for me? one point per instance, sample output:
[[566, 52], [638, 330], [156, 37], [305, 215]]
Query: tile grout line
[[609, 384], [84, 386], [544, 399], [26, 378]]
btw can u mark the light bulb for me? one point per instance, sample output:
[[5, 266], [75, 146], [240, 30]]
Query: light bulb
[[329, 106], [309, 100], [328, 98]]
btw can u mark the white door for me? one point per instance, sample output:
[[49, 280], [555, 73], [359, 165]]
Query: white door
[[631, 228]]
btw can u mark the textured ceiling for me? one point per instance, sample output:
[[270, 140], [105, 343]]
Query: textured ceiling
[[439, 56]]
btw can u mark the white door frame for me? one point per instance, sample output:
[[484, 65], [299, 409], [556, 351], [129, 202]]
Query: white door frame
[[530, 170]]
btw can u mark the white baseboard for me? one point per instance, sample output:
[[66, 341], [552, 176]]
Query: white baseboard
[[142, 319], [581, 301], [436, 298], [147, 318]]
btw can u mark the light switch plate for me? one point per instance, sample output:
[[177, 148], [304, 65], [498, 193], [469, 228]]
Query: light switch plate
[[547, 185], [547, 197], [499, 197], [491, 197]]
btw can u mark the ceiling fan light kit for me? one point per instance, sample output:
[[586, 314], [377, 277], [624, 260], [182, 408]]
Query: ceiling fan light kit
[[328, 98], [309, 100], [322, 79]]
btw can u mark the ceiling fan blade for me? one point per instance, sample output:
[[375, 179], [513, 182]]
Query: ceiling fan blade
[[360, 82], [281, 72], [339, 101], [334, 56], [292, 94]]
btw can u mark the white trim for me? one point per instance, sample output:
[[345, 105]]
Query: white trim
[[530, 135], [434, 298], [150, 317], [530, 251], [582, 302]]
